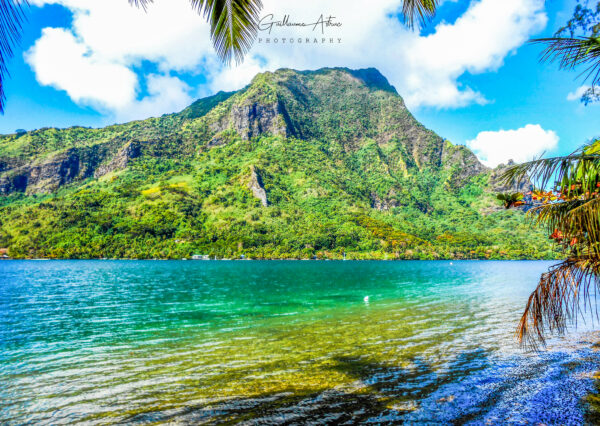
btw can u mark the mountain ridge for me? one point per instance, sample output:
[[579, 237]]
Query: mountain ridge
[[288, 154], [257, 110]]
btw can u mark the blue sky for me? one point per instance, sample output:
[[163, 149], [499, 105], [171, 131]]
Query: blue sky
[[466, 79]]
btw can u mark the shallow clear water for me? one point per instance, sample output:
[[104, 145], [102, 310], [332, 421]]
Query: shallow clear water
[[280, 342]]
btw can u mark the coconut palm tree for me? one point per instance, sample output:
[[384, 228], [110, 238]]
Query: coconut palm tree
[[233, 26], [570, 208], [567, 203]]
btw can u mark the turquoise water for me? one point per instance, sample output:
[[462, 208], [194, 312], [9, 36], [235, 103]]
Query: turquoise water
[[105, 342]]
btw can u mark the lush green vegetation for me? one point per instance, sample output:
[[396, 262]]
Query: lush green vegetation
[[358, 176], [319, 205]]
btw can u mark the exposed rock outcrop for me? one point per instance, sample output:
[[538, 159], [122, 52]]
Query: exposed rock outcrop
[[462, 164], [120, 160], [255, 119], [250, 119], [74, 164], [14, 183], [386, 203], [46, 176], [257, 188], [499, 185]]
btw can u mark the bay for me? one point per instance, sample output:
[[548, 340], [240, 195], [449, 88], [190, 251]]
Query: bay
[[104, 342]]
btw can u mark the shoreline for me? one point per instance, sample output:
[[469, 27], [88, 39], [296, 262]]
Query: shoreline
[[283, 260]]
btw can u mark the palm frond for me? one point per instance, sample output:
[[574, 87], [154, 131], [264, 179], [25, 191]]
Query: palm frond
[[140, 3], [11, 19], [571, 213], [233, 26], [573, 52], [582, 165], [577, 221], [421, 10], [563, 294]]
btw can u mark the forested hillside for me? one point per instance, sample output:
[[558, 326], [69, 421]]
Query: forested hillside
[[295, 165]]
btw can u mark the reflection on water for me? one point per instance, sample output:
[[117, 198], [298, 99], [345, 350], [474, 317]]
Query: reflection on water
[[280, 342]]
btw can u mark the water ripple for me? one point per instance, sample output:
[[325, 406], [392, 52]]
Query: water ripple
[[103, 342]]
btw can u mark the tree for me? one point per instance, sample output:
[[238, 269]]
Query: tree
[[577, 44], [570, 211], [233, 26], [511, 200]]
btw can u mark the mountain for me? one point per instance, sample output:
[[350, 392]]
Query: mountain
[[295, 165]]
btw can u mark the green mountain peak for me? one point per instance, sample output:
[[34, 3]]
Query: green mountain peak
[[296, 164]]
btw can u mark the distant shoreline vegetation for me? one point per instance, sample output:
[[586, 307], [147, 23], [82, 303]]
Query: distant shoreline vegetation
[[291, 259], [321, 257]]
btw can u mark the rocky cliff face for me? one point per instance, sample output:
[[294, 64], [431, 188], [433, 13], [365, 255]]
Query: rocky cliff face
[[461, 163], [255, 119], [257, 188], [499, 185], [347, 109], [72, 165], [251, 120], [45, 176], [384, 203], [123, 157]]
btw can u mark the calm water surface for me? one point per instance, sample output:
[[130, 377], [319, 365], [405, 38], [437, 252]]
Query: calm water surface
[[103, 342]]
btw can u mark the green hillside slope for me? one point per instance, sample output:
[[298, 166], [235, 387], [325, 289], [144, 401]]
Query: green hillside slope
[[296, 165]]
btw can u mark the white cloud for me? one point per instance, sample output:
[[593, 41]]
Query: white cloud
[[97, 61], [113, 38], [478, 41], [577, 93], [524, 144], [165, 94], [63, 62]]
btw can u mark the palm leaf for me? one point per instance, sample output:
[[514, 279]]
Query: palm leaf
[[423, 10], [563, 294], [573, 52], [11, 19], [578, 221], [574, 220], [582, 165], [140, 3], [233, 25], [576, 215]]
